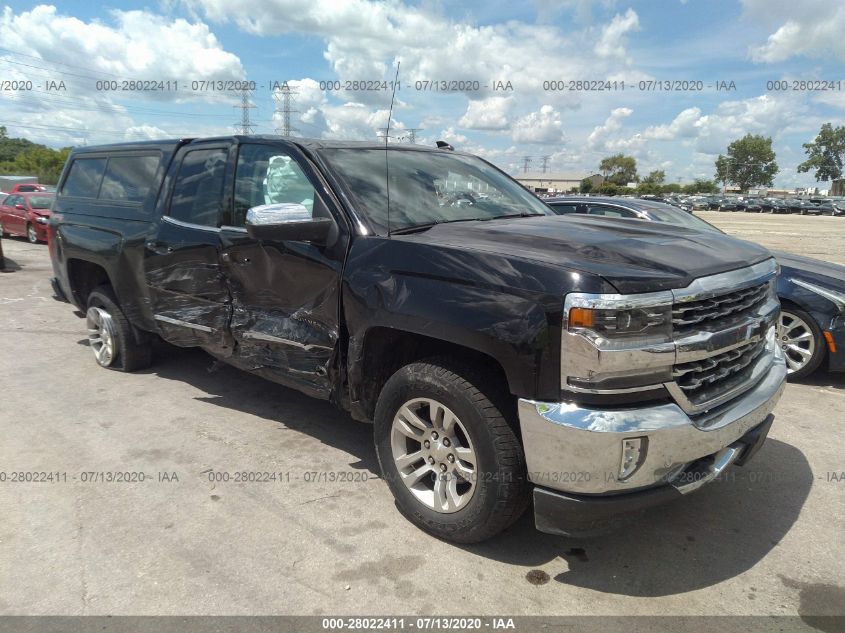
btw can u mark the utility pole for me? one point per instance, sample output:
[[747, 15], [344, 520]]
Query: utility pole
[[245, 125], [546, 163], [284, 98], [526, 163]]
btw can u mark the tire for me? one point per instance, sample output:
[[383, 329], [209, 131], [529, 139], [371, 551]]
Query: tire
[[110, 335], [481, 505], [794, 323], [31, 234]]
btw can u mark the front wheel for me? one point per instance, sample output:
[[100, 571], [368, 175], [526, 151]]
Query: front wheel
[[801, 340], [452, 462], [31, 234]]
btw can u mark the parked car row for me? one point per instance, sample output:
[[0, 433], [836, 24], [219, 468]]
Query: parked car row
[[811, 329], [801, 206]]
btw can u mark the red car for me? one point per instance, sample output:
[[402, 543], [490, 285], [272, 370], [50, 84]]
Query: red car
[[32, 187], [26, 214]]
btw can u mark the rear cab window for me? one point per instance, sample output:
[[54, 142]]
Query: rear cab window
[[84, 178]]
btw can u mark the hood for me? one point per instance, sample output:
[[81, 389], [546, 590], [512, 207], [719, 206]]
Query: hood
[[809, 269], [632, 256]]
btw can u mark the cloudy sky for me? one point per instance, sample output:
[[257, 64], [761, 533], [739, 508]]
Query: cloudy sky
[[506, 55]]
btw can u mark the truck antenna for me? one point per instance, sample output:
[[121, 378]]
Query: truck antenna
[[386, 136]]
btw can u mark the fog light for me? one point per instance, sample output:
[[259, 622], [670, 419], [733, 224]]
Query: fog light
[[633, 454]]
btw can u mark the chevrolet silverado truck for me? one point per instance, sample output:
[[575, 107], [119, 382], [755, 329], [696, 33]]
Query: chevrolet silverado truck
[[504, 354]]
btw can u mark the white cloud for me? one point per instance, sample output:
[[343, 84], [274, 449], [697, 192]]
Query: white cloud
[[541, 127], [140, 45], [133, 45], [813, 28], [487, 114], [601, 134], [611, 43], [685, 125]]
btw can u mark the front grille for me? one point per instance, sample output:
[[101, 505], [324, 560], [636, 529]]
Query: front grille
[[714, 311], [705, 380]]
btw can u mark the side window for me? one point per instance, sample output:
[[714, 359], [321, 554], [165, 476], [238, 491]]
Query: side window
[[266, 175], [198, 193], [84, 178], [129, 178], [564, 209], [610, 212], [8, 201]]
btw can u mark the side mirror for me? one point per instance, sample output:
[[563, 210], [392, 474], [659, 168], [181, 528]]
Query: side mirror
[[20, 207], [287, 221]]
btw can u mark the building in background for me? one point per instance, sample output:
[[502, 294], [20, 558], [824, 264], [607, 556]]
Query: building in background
[[556, 182]]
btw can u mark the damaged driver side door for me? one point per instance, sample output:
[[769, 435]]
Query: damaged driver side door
[[285, 293]]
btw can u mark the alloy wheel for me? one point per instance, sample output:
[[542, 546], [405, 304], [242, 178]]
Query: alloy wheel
[[31, 235], [101, 335], [796, 340], [434, 455]]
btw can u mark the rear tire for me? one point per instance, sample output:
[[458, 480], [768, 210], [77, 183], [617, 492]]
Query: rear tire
[[466, 489], [111, 337]]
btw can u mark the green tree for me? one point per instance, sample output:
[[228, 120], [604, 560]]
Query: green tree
[[723, 172], [40, 161], [586, 185], [647, 187], [657, 177], [750, 162], [672, 187], [699, 185], [619, 169], [826, 154], [609, 189]]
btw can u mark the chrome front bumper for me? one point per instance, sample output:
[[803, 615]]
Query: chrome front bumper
[[580, 450]]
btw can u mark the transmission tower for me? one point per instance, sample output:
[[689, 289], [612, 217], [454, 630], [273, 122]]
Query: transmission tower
[[284, 98], [545, 160], [382, 134], [526, 163], [412, 134], [245, 125]]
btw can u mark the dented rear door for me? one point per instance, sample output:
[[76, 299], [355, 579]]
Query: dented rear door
[[190, 298], [285, 295]]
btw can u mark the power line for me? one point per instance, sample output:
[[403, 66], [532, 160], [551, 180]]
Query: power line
[[245, 126], [284, 99], [526, 163]]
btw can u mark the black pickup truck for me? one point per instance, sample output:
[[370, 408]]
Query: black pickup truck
[[504, 354]]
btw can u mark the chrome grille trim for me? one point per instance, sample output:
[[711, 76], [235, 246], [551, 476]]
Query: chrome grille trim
[[720, 307], [691, 377]]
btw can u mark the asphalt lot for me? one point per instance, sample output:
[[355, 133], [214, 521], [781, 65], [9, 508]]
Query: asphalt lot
[[768, 539]]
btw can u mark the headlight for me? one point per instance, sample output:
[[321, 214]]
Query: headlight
[[42, 220], [613, 343], [620, 316]]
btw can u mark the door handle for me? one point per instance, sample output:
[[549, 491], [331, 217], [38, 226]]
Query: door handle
[[158, 248]]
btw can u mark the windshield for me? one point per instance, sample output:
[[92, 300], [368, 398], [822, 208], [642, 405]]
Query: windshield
[[428, 188], [665, 213], [40, 202]]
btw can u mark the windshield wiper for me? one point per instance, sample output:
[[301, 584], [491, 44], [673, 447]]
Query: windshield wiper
[[419, 228], [523, 214]]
